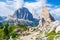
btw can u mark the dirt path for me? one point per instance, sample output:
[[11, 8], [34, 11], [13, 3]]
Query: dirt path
[[34, 34]]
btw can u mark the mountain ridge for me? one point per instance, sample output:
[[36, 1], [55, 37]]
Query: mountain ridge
[[23, 13]]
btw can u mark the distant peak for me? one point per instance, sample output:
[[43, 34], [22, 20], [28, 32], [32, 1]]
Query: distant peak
[[44, 10]]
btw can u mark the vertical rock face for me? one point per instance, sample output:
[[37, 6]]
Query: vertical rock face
[[24, 13], [46, 17]]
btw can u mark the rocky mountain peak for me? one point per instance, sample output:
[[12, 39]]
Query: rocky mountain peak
[[46, 17], [24, 13], [44, 10], [24, 16]]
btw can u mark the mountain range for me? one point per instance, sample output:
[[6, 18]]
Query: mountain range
[[2, 18], [24, 17]]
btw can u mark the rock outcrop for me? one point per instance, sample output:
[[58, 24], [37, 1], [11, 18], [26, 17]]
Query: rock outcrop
[[46, 17]]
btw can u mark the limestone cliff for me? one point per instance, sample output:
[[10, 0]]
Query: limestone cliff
[[46, 17]]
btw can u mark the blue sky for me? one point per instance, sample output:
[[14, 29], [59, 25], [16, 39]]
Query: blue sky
[[54, 2], [30, 0], [33, 6], [24, 0]]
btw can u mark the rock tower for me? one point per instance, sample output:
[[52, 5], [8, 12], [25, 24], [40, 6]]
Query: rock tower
[[46, 17]]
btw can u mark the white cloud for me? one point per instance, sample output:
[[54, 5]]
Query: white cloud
[[42, 1], [56, 11], [35, 7], [15, 3], [4, 10], [8, 7]]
